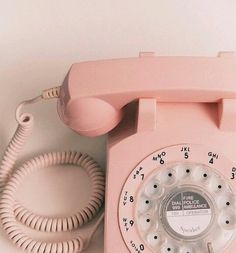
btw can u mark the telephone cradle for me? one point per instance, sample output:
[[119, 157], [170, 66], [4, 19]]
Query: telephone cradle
[[171, 166]]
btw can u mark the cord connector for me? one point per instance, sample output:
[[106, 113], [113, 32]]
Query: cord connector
[[51, 93]]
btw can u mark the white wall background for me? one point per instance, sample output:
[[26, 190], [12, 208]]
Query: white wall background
[[40, 39]]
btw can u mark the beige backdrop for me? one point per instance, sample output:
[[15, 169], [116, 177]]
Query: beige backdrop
[[40, 39]]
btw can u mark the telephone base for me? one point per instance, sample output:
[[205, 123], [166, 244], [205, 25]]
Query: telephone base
[[176, 123]]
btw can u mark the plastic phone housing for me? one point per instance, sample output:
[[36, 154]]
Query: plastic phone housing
[[176, 101]]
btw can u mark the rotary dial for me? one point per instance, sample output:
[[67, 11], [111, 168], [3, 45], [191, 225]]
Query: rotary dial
[[179, 199]]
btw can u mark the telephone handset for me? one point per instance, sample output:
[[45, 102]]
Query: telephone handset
[[170, 184], [94, 93]]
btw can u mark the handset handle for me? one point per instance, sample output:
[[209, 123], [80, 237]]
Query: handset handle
[[99, 90]]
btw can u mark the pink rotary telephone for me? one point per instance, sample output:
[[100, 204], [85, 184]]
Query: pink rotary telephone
[[170, 184]]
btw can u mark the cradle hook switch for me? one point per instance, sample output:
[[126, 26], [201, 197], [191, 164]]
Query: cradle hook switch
[[147, 113], [227, 115]]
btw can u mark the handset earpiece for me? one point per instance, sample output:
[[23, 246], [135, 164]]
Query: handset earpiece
[[91, 116]]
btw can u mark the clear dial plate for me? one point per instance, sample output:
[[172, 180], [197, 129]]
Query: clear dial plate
[[179, 199]]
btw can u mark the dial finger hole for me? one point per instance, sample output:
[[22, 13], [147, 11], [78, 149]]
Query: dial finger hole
[[154, 189], [186, 249], [145, 222], [145, 204], [225, 201], [217, 185], [168, 176], [181, 171], [227, 220], [153, 239], [187, 171], [201, 174], [168, 248]]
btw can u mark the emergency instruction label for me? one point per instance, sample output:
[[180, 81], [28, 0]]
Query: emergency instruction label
[[188, 213]]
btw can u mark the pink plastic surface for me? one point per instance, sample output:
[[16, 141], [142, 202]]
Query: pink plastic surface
[[94, 92], [177, 123], [181, 100]]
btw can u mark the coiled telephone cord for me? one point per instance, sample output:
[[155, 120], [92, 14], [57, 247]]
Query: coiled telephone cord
[[12, 212]]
